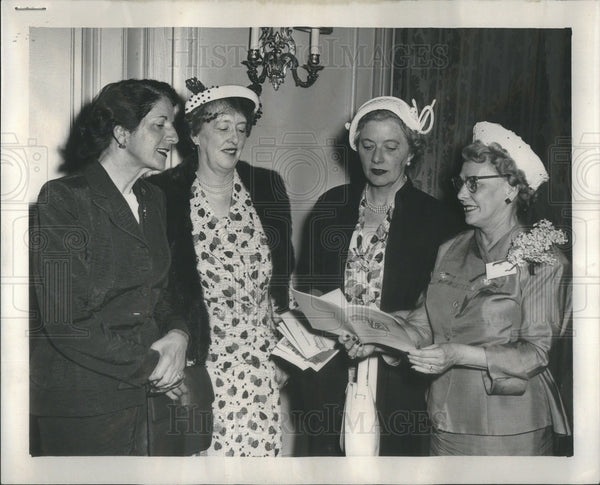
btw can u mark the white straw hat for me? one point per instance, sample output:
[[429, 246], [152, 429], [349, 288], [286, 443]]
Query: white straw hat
[[419, 122], [524, 157]]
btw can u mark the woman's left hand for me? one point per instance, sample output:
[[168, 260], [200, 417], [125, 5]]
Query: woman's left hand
[[171, 363], [354, 348], [177, 393], [281, 377], [434, 359], [275, 318]]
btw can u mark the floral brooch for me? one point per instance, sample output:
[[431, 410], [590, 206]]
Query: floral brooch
[[535, 246]]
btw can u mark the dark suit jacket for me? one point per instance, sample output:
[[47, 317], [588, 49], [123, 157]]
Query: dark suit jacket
[[99, 278], [268, 194], [420, 223]]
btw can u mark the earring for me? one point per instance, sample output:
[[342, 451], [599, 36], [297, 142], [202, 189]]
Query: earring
[[507, 201], [119, 144]]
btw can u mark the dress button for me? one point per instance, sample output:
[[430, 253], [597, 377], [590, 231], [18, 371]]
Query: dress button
[[455, 303]]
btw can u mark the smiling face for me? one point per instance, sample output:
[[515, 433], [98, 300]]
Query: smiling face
[[486, 208], [383, 151], [221, 141], [149, 144]]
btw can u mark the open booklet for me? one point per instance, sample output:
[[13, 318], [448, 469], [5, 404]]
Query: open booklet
[[332, 314], [300, 346]]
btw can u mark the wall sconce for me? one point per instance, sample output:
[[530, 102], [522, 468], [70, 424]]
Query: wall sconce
[[274, 49]]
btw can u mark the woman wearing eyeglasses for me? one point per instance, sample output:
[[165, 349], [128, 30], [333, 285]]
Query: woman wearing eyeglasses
[[495, 303]]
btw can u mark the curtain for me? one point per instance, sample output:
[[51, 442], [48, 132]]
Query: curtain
[[519, 78]]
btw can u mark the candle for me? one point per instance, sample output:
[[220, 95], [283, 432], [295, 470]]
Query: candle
[[254, 36], [314, 41]]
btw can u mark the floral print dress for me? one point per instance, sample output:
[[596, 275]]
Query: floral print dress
[[363, 276], [234, 264]]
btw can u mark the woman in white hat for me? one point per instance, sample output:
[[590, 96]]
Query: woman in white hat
[[377, 241], [495, 303], [228, 274]]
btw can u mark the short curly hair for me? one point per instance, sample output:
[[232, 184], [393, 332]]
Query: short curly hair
[[123, 103], [416, 141], [207, 112], [493, 153]]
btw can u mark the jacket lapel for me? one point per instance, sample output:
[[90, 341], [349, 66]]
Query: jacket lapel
[[107, 197], [153, 226], [395, 253], [353, 197]]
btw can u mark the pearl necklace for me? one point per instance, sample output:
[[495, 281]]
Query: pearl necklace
[[216, 188], [381, 209], [377, 209]]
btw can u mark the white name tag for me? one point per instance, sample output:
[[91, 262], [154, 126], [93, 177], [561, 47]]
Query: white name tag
[[498, 269]]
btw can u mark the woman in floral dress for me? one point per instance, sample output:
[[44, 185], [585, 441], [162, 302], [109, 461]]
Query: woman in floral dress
[[230, 228], [376, 239]]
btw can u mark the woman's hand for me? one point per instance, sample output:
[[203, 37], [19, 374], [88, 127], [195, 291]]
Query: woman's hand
[[438, 358], [274, 317], [181, 394], [434, 359], [178, 393], [354, 348], [171, 363], [281, 377]]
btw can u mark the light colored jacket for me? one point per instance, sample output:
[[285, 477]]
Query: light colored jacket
[[515, 318]]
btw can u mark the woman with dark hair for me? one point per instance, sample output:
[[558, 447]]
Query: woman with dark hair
[[101, 261], [495, 303], [376, 241], [229, 227]]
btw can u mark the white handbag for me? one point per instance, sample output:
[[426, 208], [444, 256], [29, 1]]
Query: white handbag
[[360, 425]]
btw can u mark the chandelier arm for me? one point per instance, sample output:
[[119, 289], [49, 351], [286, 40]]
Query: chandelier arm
[[313, 73], [252, 63], [292, 63], [289, 60]]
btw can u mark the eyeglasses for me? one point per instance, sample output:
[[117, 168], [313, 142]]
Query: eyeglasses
[[471, 182]]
